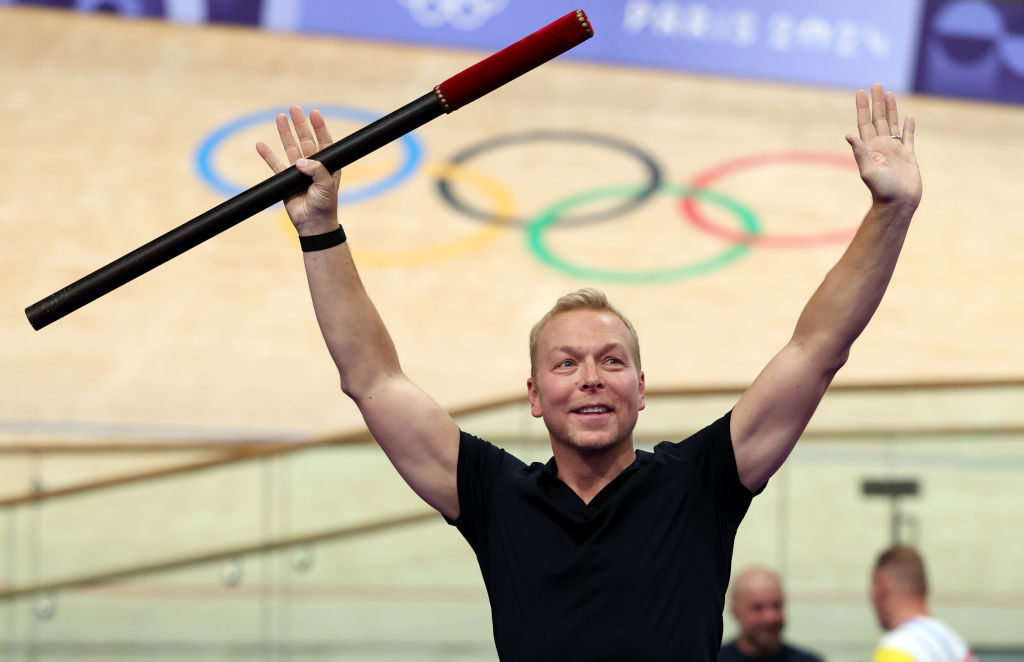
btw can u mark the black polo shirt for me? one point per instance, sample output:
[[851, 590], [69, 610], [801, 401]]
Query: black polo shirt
[[637, 574]]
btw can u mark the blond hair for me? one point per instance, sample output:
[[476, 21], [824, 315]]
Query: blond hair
[[587, 298], [905, 567]]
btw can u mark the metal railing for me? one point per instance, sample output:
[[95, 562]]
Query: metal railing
[[962, 442]]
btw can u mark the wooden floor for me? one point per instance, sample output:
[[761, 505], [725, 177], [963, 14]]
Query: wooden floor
[[103, 128]]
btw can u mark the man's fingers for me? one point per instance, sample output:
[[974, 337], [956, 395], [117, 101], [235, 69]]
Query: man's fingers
[[284, 130], [316, 170], [307, 144], [323, 136], [864, 125], [857, 145], [878, 111], [892, 114], [908, 132], [271, 159], [324, 185]]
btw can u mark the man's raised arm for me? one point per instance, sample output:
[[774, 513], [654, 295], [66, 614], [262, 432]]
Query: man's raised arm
[[773, 412], [417, 434]]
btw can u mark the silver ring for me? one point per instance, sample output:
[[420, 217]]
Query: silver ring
[[896, 136]]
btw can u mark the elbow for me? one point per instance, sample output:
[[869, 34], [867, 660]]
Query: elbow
[[826, 357], [351, 384], [827, 347], [361, 386], [836, 362], [347, 388], [355, 389]]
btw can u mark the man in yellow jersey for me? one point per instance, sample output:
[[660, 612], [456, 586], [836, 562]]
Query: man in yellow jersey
[[899, 591]]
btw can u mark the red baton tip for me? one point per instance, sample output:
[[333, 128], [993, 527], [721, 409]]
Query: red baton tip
[[513, 61]]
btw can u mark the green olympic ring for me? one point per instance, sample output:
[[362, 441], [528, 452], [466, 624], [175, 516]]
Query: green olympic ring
[[550, 216]]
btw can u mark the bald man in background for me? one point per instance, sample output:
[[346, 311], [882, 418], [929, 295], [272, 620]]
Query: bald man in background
[[758, 606]]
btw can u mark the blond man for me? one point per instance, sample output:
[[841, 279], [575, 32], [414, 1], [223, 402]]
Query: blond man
[[605, 552]]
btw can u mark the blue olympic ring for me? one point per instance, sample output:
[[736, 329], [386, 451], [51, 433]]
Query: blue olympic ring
[[204, 154]]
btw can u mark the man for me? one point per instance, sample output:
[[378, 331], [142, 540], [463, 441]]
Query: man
[[899, 592], [759, 609], [605, 552]]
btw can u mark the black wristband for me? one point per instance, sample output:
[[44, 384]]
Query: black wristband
[[318, 242]]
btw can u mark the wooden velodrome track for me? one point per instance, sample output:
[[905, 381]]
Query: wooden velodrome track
[[105, 118], [107, 121]]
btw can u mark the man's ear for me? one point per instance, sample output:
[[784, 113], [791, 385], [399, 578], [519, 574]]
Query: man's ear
[[531, 389], [643, 392]]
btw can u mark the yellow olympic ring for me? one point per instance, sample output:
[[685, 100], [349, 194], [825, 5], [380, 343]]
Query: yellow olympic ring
[[363, 171], [503, 207]]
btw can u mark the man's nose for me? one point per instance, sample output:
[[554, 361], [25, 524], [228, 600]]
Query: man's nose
[[590, 376]]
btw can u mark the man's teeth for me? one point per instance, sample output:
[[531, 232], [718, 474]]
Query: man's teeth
[[592, 410]]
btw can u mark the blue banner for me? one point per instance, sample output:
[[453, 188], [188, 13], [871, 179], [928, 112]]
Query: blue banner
[[831, 43], [807, 41]]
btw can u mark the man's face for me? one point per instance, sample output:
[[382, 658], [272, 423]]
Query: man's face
[[760, 614], [586, 385]]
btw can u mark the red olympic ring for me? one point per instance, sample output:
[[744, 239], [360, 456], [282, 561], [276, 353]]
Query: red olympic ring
[[705, 178]]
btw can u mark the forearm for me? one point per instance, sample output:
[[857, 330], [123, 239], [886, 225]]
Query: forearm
[[355, 335], [771, 415], [848, 297], [423, 441]]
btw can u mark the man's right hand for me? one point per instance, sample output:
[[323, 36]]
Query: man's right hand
[[315, 210]]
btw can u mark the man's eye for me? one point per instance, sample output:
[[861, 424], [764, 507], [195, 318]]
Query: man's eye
[[565, 363]]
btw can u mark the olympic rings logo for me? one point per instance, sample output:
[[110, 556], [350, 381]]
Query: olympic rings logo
[[461, 14], [501, 214]]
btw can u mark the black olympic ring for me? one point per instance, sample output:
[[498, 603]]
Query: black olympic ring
[[650, 165]]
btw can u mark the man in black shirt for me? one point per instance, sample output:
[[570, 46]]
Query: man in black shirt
[[604, 553], [758, 605], [638, 572]]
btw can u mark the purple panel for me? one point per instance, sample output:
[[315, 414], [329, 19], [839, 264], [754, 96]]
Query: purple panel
[[127, 8], [63, 4], [133, 8], [245, 12], [973, 49]]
